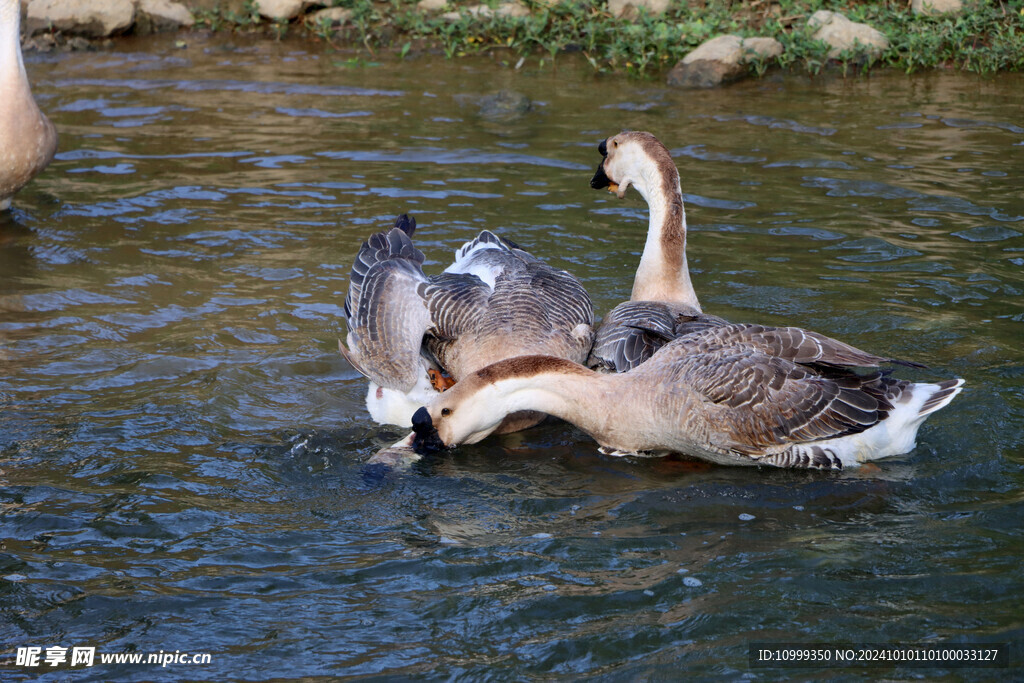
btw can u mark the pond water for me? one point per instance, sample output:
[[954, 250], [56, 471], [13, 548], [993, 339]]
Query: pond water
[[182, 449]]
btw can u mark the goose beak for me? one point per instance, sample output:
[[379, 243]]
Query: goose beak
[[426, 439], [601, 180]]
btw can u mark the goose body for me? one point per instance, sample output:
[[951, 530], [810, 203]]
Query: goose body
[[28, 140], [701, 395], [494, 301]]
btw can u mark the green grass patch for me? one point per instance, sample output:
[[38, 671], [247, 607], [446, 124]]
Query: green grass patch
[[986, 37]]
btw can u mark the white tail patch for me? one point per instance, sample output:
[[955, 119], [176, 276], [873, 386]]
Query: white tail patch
[[895, 435]]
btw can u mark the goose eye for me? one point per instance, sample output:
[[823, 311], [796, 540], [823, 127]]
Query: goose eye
[[445, 412]]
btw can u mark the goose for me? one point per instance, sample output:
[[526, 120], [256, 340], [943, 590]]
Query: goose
[[28, 140], [781, 397], [412, 335], [663, 304]]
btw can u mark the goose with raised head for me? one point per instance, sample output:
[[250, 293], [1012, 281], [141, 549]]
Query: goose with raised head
[[28, 140], [412, 335], [782, 397], [663, 304]]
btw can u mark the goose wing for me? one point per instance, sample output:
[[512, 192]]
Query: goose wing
[[386, 315], [634, 330], [511, 303], [630, 334], [562, 297], [791, 343], [754, 402], [456, 302]]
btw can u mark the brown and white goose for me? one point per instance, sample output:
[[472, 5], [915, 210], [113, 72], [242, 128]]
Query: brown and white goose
[[28, 139], [411, 334], [781, 397], [663, 304]]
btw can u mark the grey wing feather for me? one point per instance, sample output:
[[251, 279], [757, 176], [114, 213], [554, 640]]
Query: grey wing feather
[[382, 246], [793, 344], [634, 330], [455, 301], [386, 315], [760, 402]]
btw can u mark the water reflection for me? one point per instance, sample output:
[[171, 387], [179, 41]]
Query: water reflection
[[181, 449]]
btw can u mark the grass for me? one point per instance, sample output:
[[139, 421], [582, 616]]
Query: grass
[[987, 37]]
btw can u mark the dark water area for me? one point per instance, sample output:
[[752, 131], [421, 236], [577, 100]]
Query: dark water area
[[182, 449]]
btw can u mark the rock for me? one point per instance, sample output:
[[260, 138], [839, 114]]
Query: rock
[[513, 9], [92, 18], [236, 6], [508, 9], [283, 10], [332, 16], [431, 5], [504, 105], [760, 48], [153, 16], [629, 9], [932, 7], [842, 34], [721, 59]]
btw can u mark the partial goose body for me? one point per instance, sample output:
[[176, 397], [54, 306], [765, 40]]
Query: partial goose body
[[28, 140], [701, 395], [495, 301], [663, 303]]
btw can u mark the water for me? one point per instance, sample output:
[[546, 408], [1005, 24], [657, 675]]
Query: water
[[181, 448]]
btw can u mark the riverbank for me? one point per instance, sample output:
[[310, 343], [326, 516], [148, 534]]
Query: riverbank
[[646, 38]]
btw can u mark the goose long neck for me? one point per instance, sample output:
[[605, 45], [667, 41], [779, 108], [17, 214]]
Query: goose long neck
[[585, 399], [663, 273]]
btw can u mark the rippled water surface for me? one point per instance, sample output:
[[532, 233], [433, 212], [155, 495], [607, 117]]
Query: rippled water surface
[[181, 447]]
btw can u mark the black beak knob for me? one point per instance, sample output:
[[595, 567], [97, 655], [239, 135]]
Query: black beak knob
[[427, 440], [421, 421]]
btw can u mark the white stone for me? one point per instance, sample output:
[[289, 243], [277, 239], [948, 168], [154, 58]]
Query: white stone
[[93, 18], [936, 6], [760, 48], [331, 15], [480, 11], [508, 9], [283, 10], [166, 14], [431, 5], [721, 59], [629, 8], [844, 35], [513, 9], [732, 49]]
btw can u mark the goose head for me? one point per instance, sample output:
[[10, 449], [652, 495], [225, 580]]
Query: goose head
[[476, 406], [635, 158], [464, 414]]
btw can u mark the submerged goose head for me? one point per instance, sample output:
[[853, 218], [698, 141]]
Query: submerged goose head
[[638, 159], [475, 407], [28, 139]]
